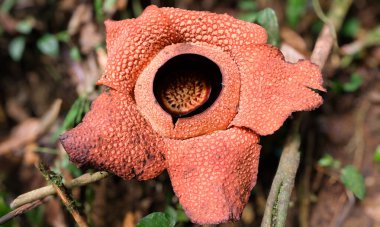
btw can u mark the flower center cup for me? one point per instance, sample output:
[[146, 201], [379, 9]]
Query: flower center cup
[[188, 90], [187, 85]]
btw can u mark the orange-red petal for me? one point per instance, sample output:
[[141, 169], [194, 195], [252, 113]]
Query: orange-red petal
[[213, 175], [132, 43], [271, 89], [219, 30], [114, 137]]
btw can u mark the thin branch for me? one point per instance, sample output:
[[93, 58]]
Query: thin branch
[[33, 199], [21, 210], [283, 182], [43, 192], [326, 38], [56, 181], [346, 209]]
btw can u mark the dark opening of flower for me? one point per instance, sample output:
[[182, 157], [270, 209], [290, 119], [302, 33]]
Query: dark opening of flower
[[187, 84]]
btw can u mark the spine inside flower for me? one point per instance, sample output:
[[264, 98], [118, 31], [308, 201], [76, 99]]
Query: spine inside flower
[[185, 93]]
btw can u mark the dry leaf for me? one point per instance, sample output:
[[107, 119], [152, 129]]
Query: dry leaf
[[30, 129]]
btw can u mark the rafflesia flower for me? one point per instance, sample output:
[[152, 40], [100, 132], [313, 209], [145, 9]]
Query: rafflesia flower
[[191, 92]]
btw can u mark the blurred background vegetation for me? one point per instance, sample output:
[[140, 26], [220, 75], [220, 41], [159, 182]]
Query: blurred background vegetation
[[53, 52]]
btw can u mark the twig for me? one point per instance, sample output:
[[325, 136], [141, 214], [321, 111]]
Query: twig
[[43, 192], [356, 144], [283, 182], [326, 39], [56, 181], [21, 210], [346, 209], [318, 10]]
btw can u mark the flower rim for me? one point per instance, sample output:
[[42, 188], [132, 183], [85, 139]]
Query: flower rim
[[216, 117]]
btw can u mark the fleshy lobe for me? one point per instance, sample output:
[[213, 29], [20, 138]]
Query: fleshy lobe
[[132, 43], [115, 137], [271, 89], [213, 175]]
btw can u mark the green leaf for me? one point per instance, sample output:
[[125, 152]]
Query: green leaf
[[346, 60], [335, 86], [316, 27], [73, 113], [4, 209], [98, 5], [63, 36], [350, 27], [156, 219], [65, 164], [7, 5], [247, 5], [181, 215], [36, 216], [354, 84], [74, 116], [48, 44], [250, 17], [172, 213], [376, 155], [268, 19], [25, 26], [16, 48], [137, 8], [294, 10], [353, 181], [373, 37], [68, 165], [75, 54], [109, 5], [326, 161]]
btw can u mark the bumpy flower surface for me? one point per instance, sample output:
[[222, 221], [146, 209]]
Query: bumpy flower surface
[[191, 92]]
